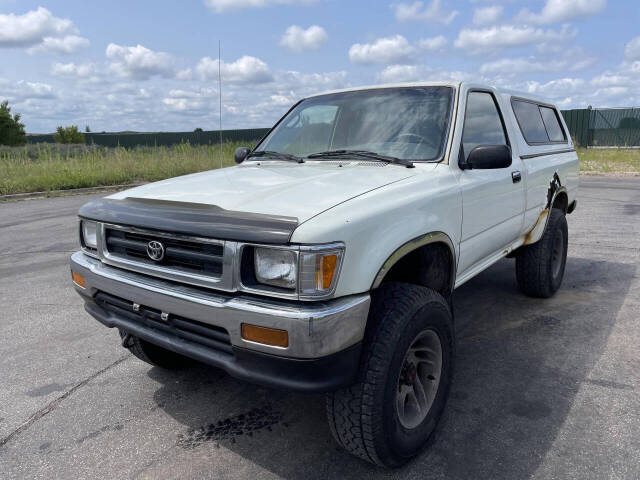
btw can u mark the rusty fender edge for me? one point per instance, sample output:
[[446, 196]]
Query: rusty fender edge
[[555, 188]]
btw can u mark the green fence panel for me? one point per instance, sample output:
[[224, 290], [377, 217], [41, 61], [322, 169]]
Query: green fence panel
[[615, 127], [40, 138], [604, 127], [578, 124]]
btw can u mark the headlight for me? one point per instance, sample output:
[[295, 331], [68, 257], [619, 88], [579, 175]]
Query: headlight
[[277, 268], [309, 271], [89, 234]]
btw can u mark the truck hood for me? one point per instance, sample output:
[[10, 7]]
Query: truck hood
[[275, 187]]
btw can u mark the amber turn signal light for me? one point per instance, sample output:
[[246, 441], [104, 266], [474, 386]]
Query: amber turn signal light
[[267, 336], [324, 271], [77, 279]]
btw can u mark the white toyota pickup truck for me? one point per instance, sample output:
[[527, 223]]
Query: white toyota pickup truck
[[326, 260]]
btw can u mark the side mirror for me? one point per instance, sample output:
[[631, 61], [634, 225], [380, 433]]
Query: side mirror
[[485, 157], [241, 153]]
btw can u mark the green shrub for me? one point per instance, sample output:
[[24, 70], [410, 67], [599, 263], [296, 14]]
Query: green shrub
[[68, 135], [11, 130]]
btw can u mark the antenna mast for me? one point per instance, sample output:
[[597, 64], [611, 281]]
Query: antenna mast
[[220, 95]]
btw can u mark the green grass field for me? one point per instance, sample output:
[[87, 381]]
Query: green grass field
[[610, 161], [46, 167]]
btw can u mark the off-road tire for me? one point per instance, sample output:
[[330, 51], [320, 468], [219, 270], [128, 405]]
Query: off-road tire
[[363, 417], [535, 270], [155, 355]]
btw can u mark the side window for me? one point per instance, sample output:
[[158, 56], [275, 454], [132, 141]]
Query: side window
[[550, 119], [482, 123], [530, 120]]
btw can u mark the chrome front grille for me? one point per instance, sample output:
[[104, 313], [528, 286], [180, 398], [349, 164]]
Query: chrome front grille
[[198, 261], [185, 255]]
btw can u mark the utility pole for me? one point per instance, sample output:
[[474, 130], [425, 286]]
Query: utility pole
[[220, 95]]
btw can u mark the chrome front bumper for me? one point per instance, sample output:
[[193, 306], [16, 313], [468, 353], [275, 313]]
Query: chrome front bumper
[[316, 329]]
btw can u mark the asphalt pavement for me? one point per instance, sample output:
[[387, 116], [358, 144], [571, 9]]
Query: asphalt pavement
[[543, 388]]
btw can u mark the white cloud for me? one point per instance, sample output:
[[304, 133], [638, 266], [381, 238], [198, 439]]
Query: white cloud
[[221, 6], [513, 66], [432, 44], [36, 89], [399, 73], [311, 82], [612, 92], [478, 40], [282, 100], [555, 11], [422, 73], [487, 15], [299, 40], [190, 100], [186, 74], [632, 50], [609, 80], [418, 11], [31, 28], [138, 62], [25, 91], [395, 49], [245, 70], [72, 69], [67, 44], [557, 88], [41, 31]]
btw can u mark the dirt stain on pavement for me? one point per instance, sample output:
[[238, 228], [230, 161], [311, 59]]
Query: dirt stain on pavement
[[244, 424], [46, 390], [97, 433]]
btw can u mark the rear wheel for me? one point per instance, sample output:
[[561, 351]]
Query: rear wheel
[[389, 415], [153, 354], [540, 267]]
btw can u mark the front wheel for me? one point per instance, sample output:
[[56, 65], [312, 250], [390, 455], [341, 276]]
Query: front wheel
[[388, 416]]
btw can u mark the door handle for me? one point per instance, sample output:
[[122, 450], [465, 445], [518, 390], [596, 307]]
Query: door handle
[[516, 176]]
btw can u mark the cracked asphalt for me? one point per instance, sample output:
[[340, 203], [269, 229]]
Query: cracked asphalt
[[543, 388]]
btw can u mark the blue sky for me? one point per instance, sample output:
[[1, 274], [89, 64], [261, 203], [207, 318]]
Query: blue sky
[[152, 65]]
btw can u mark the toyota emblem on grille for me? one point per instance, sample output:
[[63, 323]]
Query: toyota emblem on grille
[[155, 250]]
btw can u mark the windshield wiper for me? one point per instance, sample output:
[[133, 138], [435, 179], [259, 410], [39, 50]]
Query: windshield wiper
[[364, 154], [276, 155]]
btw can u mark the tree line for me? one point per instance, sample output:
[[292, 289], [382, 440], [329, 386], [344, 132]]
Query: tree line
[[12, 131]]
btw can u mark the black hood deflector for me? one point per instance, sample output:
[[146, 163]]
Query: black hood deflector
[[193, 219]]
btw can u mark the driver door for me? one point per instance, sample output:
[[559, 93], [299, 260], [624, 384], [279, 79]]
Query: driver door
[[493, 200]]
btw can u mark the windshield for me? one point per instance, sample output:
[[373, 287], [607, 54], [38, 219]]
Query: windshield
[[409, 123]]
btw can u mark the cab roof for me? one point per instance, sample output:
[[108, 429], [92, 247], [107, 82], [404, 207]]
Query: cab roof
[[505, 93], [389, 85]]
